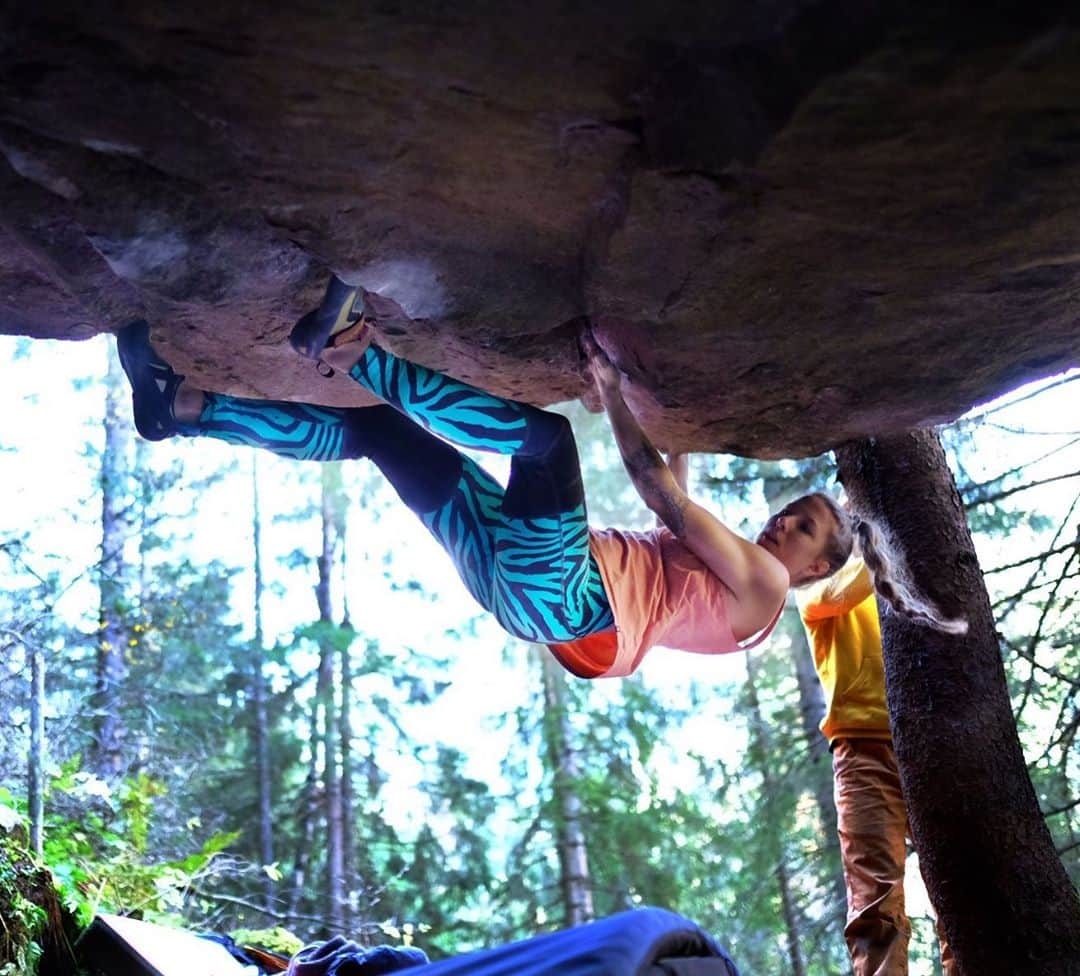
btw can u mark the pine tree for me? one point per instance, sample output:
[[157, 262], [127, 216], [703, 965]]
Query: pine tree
[[109, 757], [999, 888], [564, 763], [260, 731]]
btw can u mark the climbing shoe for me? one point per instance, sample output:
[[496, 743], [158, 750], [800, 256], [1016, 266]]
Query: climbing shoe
[[339, 319], [153, 382]]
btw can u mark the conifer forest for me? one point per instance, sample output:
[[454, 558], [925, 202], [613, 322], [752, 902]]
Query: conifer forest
[[240, 693]]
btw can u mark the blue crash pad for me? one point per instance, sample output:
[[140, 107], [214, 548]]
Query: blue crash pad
[[628, 944]]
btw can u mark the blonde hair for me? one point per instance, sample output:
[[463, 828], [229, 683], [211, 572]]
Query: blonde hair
[[853, 532]]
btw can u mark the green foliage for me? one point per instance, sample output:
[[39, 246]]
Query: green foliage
[[697, 824], [22, 922], [275, 939], [96, 848], [744, 480], [443, 888], [324, 634]]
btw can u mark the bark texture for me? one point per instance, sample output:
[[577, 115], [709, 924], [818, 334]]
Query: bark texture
[[1001, 892]]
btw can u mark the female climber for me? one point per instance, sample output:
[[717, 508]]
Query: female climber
[[599, 598]]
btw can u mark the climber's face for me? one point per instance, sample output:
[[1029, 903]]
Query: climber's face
[[798, 536]]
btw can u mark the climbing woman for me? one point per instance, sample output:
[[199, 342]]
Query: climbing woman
[[599, 598]]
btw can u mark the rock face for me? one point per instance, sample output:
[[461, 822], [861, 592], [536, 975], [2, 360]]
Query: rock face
[[789, 222]]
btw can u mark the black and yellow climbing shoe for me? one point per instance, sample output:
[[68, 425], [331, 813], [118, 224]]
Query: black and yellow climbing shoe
[[337, 320]]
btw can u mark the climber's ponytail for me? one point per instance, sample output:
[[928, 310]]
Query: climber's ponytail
[[885, 565], [891, 583]]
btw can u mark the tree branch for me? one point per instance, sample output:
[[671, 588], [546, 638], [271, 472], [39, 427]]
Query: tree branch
[[1006, 492], [1063, 809], [972, 486], [971, 421], [263, 909], [1043, 556], [1068, 847]]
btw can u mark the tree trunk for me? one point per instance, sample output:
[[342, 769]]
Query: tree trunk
[[811, 697], [305, 831], [761, 749], [335, 840], [331, 793], [348, 790], [142, 521], [260, 732], [36, 757], [791, 919], [573, 855], [1000, 889], [812, 710], [111, 670]]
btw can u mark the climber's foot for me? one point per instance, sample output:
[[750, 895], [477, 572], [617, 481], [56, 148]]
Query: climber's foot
[[154, 383], [341, 310]]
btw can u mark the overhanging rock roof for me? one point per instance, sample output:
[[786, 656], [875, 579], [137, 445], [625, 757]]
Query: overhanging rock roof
[[791, 223]]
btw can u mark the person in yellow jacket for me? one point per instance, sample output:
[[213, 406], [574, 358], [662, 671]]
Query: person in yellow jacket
[[840, 616]]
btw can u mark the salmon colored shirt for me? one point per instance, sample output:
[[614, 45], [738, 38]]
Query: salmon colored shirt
[[660, 593], [841, 619]]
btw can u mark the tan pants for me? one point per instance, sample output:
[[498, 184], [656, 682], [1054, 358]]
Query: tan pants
[[872, 822]]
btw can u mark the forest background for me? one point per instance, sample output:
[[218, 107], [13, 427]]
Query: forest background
[[239, 692]]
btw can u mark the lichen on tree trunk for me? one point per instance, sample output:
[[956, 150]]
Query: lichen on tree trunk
[[1000, 889]]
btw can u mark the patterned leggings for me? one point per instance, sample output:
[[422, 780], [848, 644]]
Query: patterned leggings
[[523, 552]]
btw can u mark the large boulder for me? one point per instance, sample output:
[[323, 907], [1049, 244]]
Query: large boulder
[[790, 223]]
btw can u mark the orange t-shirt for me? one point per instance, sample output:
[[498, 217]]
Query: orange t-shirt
[[660, 593]]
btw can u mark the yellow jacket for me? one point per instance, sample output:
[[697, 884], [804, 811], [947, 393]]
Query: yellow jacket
[[841, 620]]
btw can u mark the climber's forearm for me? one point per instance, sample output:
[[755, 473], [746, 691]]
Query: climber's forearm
[[679, 464], [651, 477]]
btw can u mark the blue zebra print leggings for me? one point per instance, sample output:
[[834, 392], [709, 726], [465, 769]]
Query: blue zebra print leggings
[[523, 551]]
